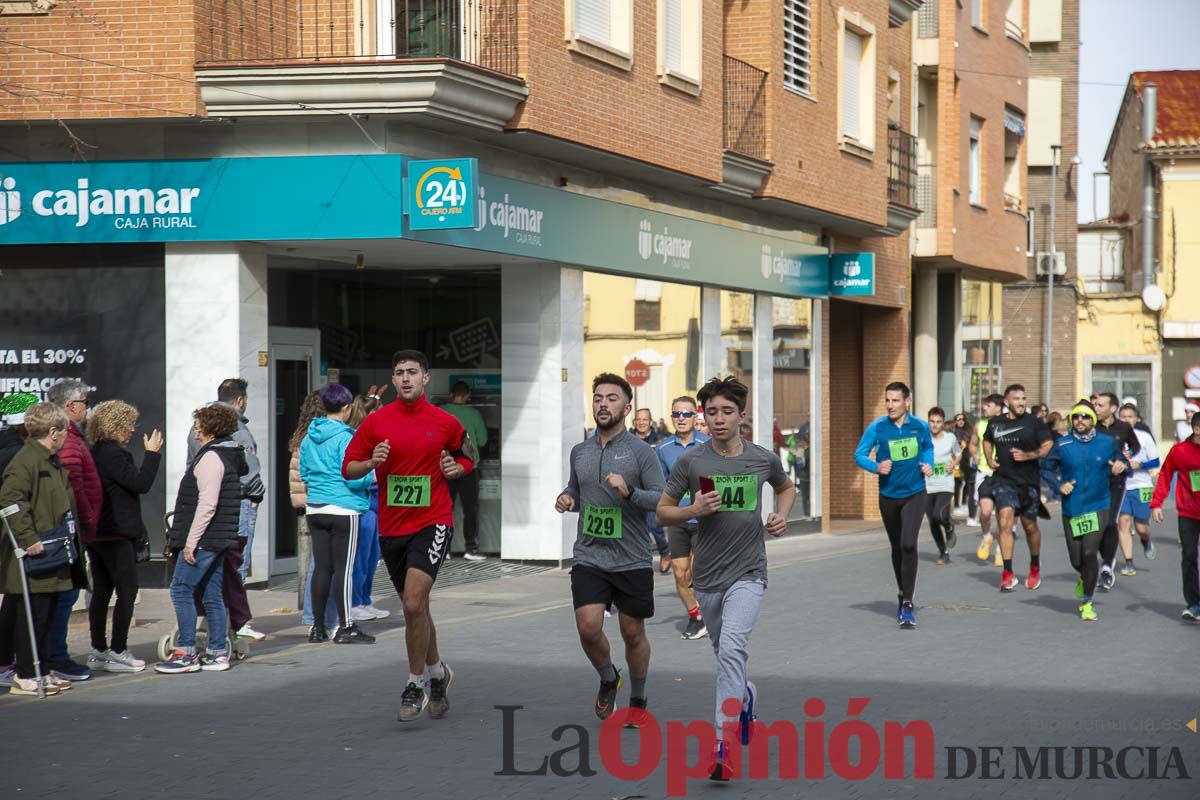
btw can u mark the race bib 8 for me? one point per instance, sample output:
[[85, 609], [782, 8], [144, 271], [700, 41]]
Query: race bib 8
[[1084, 524], [738, 492], [902, 449], [601, 522], [408, 491], [1145, 493], [941, 469]]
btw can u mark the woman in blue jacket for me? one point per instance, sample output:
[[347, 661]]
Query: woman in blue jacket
[[334, 506], [1078, 467]]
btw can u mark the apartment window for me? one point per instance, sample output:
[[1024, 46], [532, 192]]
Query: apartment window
[[1129, 382], [977, 13], [797, 73], [1014, 19], [679, 44], [893, 97], [975, 162], [856, 86], [1101, 261], [1014, 134], [647, 315], [602, 29]]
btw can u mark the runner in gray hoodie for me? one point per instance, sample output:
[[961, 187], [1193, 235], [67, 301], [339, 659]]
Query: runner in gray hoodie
[[615, 479]]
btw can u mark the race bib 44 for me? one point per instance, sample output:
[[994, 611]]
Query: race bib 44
[[902, 449], [738, 492], [408, 491]]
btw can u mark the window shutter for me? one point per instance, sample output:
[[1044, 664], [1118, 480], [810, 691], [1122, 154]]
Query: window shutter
[[593, 19], [796, 73], [673, 34], [851, 75]]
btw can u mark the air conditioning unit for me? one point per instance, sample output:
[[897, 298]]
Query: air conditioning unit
[[1043, 264]]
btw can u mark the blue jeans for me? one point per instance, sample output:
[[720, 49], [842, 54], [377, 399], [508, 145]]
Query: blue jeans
[[366, 560], [331, 614], [205, 576], [246, 520], [56, 639]]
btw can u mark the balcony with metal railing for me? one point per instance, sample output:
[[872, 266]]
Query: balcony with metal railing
[[745, 126], [454, 60], [902, 178]]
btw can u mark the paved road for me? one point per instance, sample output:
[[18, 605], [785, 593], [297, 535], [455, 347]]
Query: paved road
[[984, 669]]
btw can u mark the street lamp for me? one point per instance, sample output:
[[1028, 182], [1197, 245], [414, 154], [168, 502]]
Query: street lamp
[[1048, 348]]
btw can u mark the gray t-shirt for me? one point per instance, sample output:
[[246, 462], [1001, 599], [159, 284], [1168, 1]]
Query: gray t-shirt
[[614, 533], [730, 543]]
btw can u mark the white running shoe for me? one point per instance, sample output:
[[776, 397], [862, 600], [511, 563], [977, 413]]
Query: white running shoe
[[247, 632], [474, 555], [122, 662], [97, 661], [378, 612], [29, 686], [361, 613]]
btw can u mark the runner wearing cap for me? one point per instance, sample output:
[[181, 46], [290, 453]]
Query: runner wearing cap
[[1078, 466]]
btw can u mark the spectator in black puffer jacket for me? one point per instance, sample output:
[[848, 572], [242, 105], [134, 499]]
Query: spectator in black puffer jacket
[[119, 531]]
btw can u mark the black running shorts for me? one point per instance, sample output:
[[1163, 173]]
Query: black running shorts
[[631, 591], [681, 540], [1024, 500], [425, 550]]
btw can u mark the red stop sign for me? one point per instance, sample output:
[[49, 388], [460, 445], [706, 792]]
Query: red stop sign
[[637, 373]]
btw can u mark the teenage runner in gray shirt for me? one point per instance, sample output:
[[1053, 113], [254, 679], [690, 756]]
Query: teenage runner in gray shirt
[[729, 571], [615, 479]]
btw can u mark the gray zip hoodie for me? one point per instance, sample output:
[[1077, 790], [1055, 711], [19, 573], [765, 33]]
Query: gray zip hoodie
[[614, 541]]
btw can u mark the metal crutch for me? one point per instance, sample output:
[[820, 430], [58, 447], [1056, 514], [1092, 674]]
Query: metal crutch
[[5, 513]]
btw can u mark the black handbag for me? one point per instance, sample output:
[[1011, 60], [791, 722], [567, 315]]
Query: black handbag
[[141, 549], [58, 550]]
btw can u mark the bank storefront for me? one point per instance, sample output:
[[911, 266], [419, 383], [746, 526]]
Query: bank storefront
[[156, 279]]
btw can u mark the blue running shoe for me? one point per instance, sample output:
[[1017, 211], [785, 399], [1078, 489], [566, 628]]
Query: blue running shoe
[[908, 617], [747, 717]]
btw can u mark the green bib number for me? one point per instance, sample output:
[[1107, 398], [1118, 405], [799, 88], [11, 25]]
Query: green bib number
[[601, 522], [941, 469], [1145, 493], [408, 491], [738, 492], [903, 449], [1084, 524], [1194, 476]]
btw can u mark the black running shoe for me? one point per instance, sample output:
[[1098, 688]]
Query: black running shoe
[[606, 698], [412, 702], [951, 537], [637, 713], [695, 629], [317, 634], [352, 634], [439, 703]]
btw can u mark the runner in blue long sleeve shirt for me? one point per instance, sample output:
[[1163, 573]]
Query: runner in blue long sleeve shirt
[[898, 448]]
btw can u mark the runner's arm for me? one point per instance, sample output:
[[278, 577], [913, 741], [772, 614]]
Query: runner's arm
[[785, 490], [862, 453], [1050, 466], [652, 482], [454, 444], [926, 442], [572, 488], [1162, 489], [356, 461], [669, 512]]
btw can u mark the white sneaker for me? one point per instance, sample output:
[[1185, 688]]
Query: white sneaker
[[123, 662], [97, 660], [378, 612], [247, 632], [30, 686], [973, 523], [8, 675], [474, 556], [361, 613]]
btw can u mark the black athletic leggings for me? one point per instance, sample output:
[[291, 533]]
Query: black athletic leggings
[[937, 511], [1109, 541], [902, 521], [1189, 539], [15, 627], [1083, 551], [334, 540], [114, 569]]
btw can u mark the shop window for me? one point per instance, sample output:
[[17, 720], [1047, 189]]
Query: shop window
[[602, 29], [791, 337], [797, 65], [679, 44], [975, 162], [647, 315]]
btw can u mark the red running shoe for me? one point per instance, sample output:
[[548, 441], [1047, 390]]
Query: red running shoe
[[1034, 579], [1008, 581]]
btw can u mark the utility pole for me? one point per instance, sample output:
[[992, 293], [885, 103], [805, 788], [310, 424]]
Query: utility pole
[[1048, 342]]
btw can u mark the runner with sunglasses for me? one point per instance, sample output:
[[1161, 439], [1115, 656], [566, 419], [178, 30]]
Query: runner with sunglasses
[[682, 538], [1080, 466]]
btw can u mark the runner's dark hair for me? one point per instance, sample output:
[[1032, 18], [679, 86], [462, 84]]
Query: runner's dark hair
[[1132, 408], [937, 411], [685, 398], [730, 388], [615, 380], [897, 386], [1112, 399], [1013, 387], [410, 355], [995, 399]]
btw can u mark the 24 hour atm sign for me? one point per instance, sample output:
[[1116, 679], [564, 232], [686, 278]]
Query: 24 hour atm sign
[[440, 195]]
